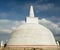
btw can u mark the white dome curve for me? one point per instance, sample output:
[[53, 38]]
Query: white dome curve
[[31, 34]]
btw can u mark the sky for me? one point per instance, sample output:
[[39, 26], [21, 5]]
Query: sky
[[13, 13]]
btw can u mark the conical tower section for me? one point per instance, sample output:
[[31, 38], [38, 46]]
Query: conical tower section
[[31, 18], [31, 11]]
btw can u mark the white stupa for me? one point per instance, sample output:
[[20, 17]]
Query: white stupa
[[31, 34]]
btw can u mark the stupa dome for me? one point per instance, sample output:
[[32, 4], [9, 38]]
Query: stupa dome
[[31, 33]]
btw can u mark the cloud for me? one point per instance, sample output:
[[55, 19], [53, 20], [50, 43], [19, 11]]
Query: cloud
[[43, 7], [58, 24], [54, 18], [5, 31], [8, 25], [41, 1]]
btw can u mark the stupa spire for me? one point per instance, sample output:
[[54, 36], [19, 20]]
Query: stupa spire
[[31, 11]]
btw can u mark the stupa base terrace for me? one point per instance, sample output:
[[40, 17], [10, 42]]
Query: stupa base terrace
[[31, 48]]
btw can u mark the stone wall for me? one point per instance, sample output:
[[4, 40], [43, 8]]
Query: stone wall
[[26, 48]]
